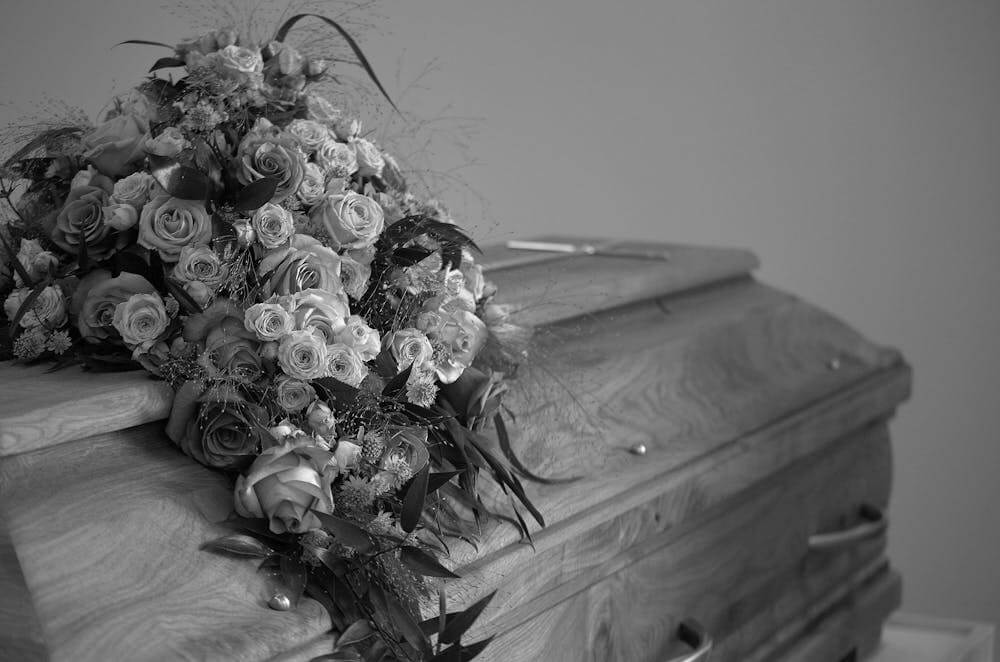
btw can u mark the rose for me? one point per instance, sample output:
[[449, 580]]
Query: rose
[[345, 364], [48, 309], [293, 394], [242, 65], [170, 143], [141, 320], [304, 264], [303, 354], [336, 159], [133, 190], [120, 216], [225, 434], [266, 151], [321, 110], [83, 177], [200, 292], [245, 234], [273, 225], [346, 128], [81, 220], [36, 261], [320, 312], [360, 337], [347, 454], [201, 264], [309, 133], [475, 283], [94, 302], [354, 275], [269, 321], [370, 161], [321, 420], [230, 350], [408, 347], [168, 224], [313, 186], [116, 145], [353, 220], [457, 331], [285, 484]]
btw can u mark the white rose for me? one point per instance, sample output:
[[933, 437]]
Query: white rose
[[293, 394], [133, 190], [360, 337], [354, 275], [303, 354], [321, 420], [200, 263], [244, 65], [370, 161], [321, 110], [336, 159], [82, 178], [310, 134], [170, 143], [141, 320], [347, 454], [35, 260], [120, 216], [409, 347], [346, 128], [270, 321], [48, 310], [352, 220], [273, 225], [345, 364]]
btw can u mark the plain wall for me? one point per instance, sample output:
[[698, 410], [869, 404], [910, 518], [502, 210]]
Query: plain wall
[[853, 144]]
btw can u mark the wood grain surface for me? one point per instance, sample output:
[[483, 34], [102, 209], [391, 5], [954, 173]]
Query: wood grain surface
[[108, 533], [741, 559], [724, 380]]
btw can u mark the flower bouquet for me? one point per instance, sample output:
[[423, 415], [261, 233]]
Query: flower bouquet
[[331, 342]]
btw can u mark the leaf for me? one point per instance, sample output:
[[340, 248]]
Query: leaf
[[413, 501], [26, 305], [472, 650], [431, 625], [423, 563], [143, 42], [436, 480], [343, 393], [457, 626], [287, 25], [504, 438], [409, 255], [18, 267], [450, 654], [178, 180], [347, 533], [255, 194], [189, 305], [356, 632], [339, 656], [396, 385], [44, 139], [407, 626], [166, 63], [238, 544]]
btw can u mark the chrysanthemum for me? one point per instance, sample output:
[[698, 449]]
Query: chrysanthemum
[[59, 342], [30, 344]]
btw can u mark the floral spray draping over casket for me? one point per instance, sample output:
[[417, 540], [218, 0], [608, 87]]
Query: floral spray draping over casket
[[329, 336]]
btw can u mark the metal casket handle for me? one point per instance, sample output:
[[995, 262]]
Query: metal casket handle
[[873, 525], [694, 635]]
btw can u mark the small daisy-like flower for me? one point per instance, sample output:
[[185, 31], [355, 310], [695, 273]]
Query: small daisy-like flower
[[313, 542], [59, 342], [421, 388], [356, 495], [171, 306], [382, 524], [30, 345], [398, 470]]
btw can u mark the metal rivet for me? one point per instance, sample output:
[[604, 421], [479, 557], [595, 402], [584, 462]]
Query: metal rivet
[[833, 364], [638, 449], [279, 602]]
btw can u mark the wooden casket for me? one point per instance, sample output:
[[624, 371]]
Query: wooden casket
[[731, 454]]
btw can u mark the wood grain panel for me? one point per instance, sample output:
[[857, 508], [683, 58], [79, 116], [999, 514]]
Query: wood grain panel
[[108, 530], [625, 604], [20, 631]]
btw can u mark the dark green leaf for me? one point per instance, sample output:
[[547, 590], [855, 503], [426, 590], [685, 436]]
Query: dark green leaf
[[18, 267], [189, 305], [395, 385], [347, 533], [343, 394], [357, 632], [470, 651], [143, 42], [436, 480], [166, 63], [44, 139], [504, 438], [238, 545], [407, 625], [26, 305], [287, 25], [255, 194], [179, 180], [423, 563], [450, 654], [409, 255], [293, 574], [431, 625], [339, 656], [413, 501], [457, 626]]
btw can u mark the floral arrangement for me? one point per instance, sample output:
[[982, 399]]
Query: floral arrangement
[[331, 342]]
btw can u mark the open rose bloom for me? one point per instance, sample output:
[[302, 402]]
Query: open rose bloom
[[242, 238]]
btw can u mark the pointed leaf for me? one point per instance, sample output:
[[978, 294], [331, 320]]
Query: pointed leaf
[[347, 533], [189, 305], [343, 393], [450, 654], [166, 63], [238, 544], [362, 60], [18, 267], [504, 438], [396, 385], [413, 501], [255, 194], [357, 632], [143, 42], [26, 305], [423, 563], [457, 626], [407, 626], [293, 574], [470, 651], [436, 480], [178, 180]]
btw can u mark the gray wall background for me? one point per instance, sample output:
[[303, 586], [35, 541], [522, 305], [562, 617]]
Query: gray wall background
[[853, 144]]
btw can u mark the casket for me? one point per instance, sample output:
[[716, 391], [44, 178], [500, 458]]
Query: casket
[[718, 470]]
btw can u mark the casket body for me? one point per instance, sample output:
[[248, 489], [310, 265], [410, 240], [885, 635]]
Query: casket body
[[730, 465]]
